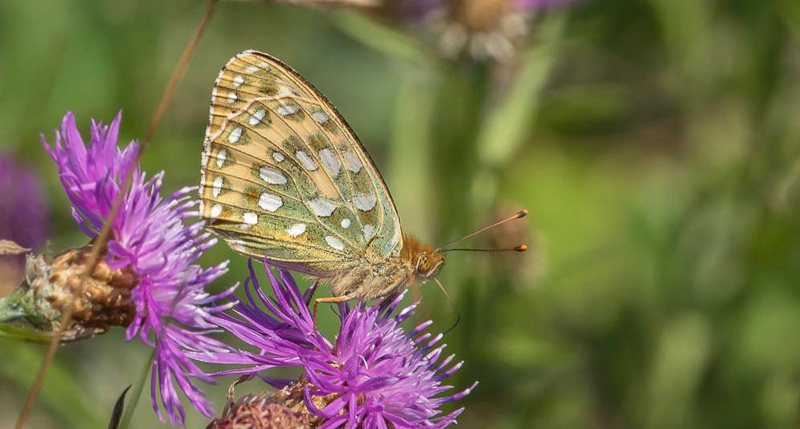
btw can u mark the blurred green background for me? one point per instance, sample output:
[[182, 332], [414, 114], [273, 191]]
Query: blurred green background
[[656, 144]]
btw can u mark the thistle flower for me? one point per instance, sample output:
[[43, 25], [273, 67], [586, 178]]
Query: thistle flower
[[153, 249], [373, 375]]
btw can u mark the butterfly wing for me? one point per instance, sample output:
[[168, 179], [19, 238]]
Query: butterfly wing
[[284, 176]]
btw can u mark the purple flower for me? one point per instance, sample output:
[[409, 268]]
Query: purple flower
[[148, 235], [377, 374], [23, 212]]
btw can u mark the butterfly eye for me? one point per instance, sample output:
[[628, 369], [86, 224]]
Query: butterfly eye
[[422, 261]]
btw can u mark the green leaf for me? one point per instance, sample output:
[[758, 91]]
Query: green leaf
[[24, 334], [119, 406], [381, 38], [505, 128]]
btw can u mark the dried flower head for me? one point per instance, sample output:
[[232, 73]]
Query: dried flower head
[[375, 374], [481, 29], [280, 410]]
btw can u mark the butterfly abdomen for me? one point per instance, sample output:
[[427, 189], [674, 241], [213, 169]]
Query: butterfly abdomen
[[366, 281]]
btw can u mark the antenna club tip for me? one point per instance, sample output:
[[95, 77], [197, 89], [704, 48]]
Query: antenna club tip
[[522, 213], [521, 248]]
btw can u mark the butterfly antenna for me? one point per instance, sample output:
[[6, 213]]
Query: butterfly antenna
[[452, 304], [518, 215], [520, 248]]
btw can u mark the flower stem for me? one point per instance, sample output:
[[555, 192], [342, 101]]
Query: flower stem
[[127, 416], [177, 75], [103, 236]]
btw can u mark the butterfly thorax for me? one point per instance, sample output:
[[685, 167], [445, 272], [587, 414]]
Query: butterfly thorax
[[367, 279]]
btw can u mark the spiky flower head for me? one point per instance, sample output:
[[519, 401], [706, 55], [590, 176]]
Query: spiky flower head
[[151, 242], [375, 374]]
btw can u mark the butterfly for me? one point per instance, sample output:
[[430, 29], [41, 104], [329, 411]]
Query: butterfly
[[285, 178]]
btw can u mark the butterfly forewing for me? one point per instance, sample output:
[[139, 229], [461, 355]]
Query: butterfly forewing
[[286, 178]]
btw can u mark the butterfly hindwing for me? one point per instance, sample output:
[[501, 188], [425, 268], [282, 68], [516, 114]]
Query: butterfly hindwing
[[285, 177]]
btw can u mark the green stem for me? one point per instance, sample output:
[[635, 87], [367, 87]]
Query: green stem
[[508, 124], [457, 119], [409, 146], [17, 333], [127, 417]]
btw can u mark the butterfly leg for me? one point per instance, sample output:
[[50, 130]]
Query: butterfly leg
[[328, 300]]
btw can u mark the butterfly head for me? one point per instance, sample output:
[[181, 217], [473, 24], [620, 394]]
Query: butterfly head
[[423, 261], [428, 264]]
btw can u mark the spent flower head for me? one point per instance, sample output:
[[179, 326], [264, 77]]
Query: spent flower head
[[480, 29], [375, 374], [151, 241]]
